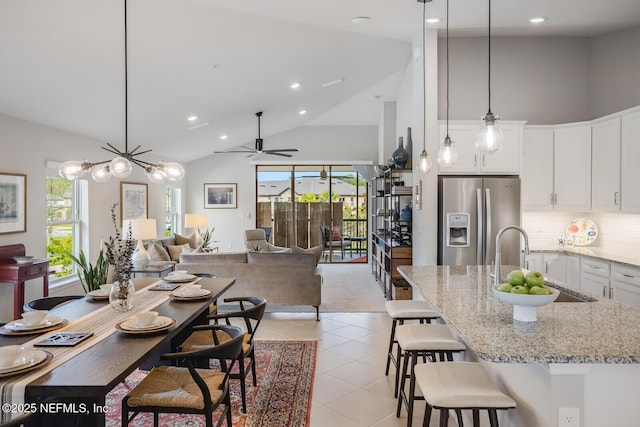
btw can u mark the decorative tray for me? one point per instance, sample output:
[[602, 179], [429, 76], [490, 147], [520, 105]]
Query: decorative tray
[[64, 339], [164, 287], [582, 231]]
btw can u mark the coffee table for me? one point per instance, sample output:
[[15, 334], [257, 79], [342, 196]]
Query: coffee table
[[153, 269]]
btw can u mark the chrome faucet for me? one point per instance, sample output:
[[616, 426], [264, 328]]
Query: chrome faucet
[[496, 271]]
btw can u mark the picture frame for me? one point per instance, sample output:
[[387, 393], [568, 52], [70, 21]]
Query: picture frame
[[13, 203], [220, 196], [134, 201]]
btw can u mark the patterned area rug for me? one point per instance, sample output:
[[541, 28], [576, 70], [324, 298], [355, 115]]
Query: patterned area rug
[[281, 398]]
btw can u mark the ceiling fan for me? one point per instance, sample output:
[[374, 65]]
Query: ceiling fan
[[258, 147]]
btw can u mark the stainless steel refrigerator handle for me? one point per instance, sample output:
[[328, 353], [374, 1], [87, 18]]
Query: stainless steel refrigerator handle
[[479, 257], [488, 212]]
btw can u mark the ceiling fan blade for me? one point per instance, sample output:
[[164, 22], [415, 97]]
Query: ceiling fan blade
[[276, 153], [280, 149]]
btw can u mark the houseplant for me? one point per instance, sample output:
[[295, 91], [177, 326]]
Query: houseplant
[[119, 250], [91, 277], [206, 237]]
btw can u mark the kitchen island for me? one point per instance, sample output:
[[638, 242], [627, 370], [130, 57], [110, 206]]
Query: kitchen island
[[582, 355]]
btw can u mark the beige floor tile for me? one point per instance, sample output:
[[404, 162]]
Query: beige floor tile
[[351, 332], [357, 373], [322, 416], [326, 360], [354, 349], [365, 406], [327, 389]]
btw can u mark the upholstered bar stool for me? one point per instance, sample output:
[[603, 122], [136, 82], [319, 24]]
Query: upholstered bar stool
[[429, 342], [458, 386], [399, 311]]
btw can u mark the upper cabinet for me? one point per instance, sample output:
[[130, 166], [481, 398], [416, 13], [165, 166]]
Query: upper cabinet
[[605, 181], [556, 169], [470, 160], [630, 173]]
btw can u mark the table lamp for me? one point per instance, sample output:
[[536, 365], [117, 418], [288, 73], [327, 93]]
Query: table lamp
[[196, 221], [141, 229]]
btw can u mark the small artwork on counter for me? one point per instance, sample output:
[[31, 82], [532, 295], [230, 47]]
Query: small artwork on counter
[[13, 203]]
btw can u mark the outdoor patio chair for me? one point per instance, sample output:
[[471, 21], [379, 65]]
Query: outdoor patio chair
[[332, 238]]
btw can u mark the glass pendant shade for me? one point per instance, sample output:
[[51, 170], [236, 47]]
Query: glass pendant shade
[[171, 170], [154, 175], [489, 139], [424, 163], [101, 173], [73, 169], [120, 167], [447, 155]]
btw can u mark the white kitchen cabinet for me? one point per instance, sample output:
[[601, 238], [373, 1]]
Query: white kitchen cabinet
[[470, 160], [572, 167], [605, 155], [630, 173], [554, 266], [572, 271], [625, 285], [533, 262], [537, 168], [594, 277]]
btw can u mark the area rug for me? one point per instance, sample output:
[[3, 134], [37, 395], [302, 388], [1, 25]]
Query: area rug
[[282, 396]]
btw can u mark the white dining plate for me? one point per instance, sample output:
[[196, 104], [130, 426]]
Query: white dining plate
[[132, 324], [98, 294], [178, 279], [27, 358], [183, 293], [19, 325]]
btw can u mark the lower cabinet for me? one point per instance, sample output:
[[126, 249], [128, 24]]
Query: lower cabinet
[[573, 271], [594, 277], [625, 285]]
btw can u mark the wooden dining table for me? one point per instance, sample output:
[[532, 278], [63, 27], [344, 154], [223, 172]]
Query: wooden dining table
[[83, 381]]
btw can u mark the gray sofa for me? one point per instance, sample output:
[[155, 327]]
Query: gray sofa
[[280, 278]]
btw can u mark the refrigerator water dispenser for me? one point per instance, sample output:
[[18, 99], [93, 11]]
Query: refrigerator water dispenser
[[458, 229]]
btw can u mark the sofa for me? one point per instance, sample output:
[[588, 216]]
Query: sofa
[[280, 278]]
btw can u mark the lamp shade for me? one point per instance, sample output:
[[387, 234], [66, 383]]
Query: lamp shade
[[142, 229], [195, 220]]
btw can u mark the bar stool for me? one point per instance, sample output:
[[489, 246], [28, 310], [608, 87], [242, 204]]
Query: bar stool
[[426, 341], [458, 386], [399, 311]]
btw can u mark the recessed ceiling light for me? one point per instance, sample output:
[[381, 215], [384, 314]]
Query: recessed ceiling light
[[537, 19], [223, 137], [302, 112], [432, 20], [294, 85], [192, 118], [360, 19]]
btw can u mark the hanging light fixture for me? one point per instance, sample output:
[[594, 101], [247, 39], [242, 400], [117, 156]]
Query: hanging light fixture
[[490, 136], [323, 174], [424, 161], [121, 165], [447, 154]]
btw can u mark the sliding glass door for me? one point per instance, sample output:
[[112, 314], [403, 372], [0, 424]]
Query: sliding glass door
[[311, 205]]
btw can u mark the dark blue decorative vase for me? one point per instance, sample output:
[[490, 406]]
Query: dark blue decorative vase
[[405, 214], [400, 157]]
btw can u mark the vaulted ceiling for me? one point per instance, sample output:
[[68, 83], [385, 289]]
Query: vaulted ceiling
[[62, 61]]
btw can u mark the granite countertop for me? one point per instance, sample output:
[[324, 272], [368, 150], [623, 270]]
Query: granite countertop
[[625, 259], [602, 331]]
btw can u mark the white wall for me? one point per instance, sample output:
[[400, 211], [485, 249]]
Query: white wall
[[25, 149], [322, 143]]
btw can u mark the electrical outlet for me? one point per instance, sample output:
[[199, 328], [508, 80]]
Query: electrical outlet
[[229, 245], [568, 417]]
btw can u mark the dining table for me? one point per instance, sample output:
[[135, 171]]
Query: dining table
[[74, 391]]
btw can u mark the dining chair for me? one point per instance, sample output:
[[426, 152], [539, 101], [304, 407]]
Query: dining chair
[[181, 390], [48, 303], [202, 336]]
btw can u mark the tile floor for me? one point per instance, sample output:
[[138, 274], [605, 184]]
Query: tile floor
[[350, 387]]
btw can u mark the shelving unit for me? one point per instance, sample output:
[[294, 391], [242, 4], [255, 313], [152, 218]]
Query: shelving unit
[[391, 243]]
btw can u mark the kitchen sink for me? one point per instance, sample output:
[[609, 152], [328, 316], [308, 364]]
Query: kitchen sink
[[572, 297]]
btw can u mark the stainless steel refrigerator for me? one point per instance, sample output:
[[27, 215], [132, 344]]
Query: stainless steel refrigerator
[[471, 211]]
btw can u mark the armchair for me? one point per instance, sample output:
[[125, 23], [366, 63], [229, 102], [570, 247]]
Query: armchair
[[331, 238], [256, 241]]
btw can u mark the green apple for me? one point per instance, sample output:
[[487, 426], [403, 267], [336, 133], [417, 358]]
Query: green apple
[[537, 290], [505, 287], [534, 278], [519, 290], [516, 278], [548, 289]]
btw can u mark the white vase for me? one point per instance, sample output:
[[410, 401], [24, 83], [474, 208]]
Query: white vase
[[121, 296]]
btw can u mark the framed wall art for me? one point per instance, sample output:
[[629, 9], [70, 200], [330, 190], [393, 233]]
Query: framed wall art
[[13, 203], [220, 196], [134, 201]]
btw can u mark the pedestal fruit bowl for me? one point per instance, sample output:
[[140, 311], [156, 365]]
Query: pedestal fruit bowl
[[524, 305]]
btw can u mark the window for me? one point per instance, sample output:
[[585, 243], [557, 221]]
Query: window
[[63, 215], [172, 211]]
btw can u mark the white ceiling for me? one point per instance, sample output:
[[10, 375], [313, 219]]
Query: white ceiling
[[222, 60]]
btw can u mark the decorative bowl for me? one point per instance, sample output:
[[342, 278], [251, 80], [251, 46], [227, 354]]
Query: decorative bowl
[[22, 259], [524, 305]]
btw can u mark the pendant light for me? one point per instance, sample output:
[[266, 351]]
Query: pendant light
[[489, 139], [447, 154], [424, 161], [121, 165], [323, 174]]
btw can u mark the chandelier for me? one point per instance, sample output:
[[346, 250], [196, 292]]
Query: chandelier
[[121, 165]]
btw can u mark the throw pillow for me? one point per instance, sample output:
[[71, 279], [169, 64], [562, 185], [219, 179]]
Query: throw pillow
[[189, 240], [316, 251], [197, 250], [335, 235], [175, 251], [157, 252]]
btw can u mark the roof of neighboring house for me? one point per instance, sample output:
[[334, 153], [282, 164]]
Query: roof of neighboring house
[[306, 185]]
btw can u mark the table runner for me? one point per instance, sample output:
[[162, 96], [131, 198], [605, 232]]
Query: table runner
[[101, 322]]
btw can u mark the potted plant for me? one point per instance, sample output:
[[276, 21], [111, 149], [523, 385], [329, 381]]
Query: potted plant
[[91, 277], [206, 237]]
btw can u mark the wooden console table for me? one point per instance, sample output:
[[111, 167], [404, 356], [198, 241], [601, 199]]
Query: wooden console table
[[12, 272]]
